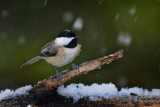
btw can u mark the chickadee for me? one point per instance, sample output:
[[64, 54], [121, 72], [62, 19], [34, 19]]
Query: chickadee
[[60, 51]]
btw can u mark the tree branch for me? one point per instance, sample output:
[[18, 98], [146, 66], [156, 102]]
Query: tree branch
[[52, 82]]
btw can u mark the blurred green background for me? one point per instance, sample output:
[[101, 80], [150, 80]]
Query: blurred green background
[[104, 26]]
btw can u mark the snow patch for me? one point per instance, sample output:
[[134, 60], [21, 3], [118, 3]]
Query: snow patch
[[104, 91], [78, 24], [155, 92], [78, 91], [7, 93], [125, 92]]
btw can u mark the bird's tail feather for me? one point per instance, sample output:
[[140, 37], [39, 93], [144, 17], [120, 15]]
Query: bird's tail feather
[[35, 59]]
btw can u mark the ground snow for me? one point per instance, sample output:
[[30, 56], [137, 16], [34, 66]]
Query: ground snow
[[7, 93], [103, 91], [94, 92], [77, 91]]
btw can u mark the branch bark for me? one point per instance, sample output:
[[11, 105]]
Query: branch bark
[[52, 82]]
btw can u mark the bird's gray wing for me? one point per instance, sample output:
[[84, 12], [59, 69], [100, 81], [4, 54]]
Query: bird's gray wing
[[50, 49], [47, 45]]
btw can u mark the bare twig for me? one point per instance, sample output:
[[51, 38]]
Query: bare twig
[[52, 82]]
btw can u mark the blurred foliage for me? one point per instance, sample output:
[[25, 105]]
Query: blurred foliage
[[107, 26]]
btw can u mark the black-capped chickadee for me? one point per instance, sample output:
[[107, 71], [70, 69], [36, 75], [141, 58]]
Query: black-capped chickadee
[[60, 51]]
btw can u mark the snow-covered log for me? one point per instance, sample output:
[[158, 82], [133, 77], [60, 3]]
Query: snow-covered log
[[51, 92]]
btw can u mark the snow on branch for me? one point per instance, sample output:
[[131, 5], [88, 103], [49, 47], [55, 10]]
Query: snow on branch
[[7, 93]]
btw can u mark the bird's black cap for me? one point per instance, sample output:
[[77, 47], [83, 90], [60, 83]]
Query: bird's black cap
[[67, 33]]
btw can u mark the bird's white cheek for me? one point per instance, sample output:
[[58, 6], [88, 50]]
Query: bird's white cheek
[[63, 40]]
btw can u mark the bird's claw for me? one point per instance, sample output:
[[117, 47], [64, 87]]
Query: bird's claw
[[57, 75], [74, 66]]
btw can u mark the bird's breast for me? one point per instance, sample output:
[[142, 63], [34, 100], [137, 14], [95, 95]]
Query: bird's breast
[[64, 56]]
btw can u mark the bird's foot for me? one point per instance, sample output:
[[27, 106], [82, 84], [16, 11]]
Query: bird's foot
[[57, 74], [74, 66]]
